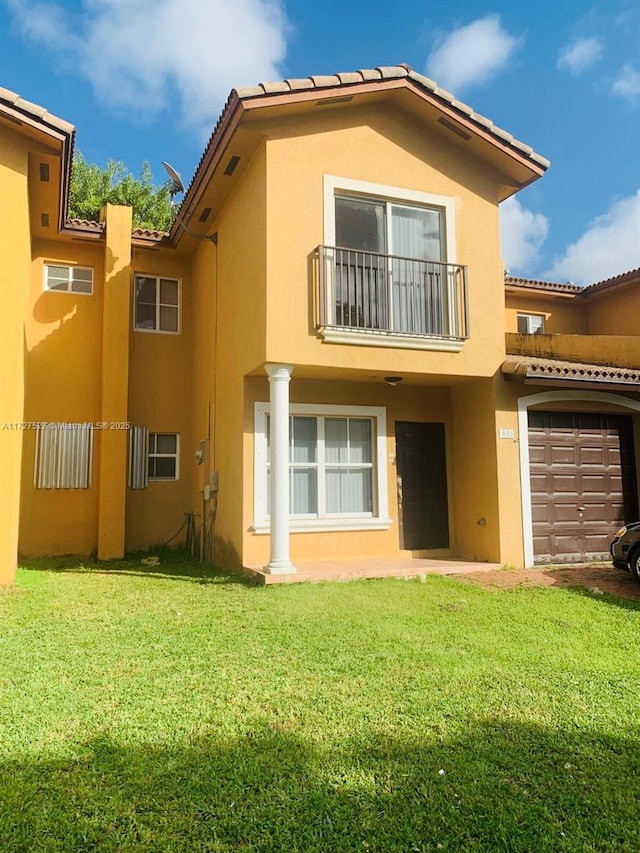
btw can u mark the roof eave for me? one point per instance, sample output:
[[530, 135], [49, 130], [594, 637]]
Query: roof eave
[[314, 89], [452, 109], [209, 161], [22, 112]]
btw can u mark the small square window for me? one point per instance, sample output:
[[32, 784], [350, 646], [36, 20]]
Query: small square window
[[157, 304], [68, 279], [163, 456], [530, 324]]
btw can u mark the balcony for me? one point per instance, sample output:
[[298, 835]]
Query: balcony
[[367, 298]]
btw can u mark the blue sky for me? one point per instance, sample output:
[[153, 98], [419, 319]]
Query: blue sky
[[146, 79]]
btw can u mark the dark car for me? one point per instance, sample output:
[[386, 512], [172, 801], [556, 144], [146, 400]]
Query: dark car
[[625, 549]]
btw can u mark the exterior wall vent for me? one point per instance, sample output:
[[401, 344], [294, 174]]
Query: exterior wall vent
[[454, 128], [232, 165]]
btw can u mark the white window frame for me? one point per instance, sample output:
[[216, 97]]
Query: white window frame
[[334, 186], [529, 315], [175, 456], [71, 268], [157, 278], [378, 520]]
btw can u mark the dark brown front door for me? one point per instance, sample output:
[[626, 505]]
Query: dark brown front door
[[422, 486], [583, 483]]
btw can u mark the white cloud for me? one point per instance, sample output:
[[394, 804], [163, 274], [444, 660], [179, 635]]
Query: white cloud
[[627, 84], [610, 245], [523, 233], [471, 54], [579, 55], [145, 54]]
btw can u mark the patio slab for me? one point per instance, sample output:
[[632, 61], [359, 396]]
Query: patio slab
[[346, 570]]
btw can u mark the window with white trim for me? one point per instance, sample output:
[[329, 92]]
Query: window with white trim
[[395, 220], [64, 455], [388, 268], [531, 324], [157, 304], [337, 473], [163, 456], [68, 279]]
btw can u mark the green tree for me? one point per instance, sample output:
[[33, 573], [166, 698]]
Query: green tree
[[93, 186]]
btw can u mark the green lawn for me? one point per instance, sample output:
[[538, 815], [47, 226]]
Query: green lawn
[[171, 710]]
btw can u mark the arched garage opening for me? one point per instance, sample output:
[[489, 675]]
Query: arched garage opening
[[550, 436]]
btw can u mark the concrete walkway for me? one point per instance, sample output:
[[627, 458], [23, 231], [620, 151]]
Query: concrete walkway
[[346, 570]]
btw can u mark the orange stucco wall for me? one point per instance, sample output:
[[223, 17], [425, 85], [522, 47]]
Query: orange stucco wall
[[562, 315], [614, 312], [63, 341], [14, 275], [381, 147], [239, 262], [160, 399]]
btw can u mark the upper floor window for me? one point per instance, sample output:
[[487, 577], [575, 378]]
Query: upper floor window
[[68, 279], [389, 220], [530, 324], [157, 304], [390, 228], [387, 268]]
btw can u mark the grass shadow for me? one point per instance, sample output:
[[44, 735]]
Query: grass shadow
[[172, 565], [599, 582], [497, 786], [631, 604]]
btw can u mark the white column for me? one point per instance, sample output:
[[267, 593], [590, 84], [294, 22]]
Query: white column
[[279, 378]]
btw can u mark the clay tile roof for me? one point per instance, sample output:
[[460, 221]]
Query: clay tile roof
[[539, 369], [536, 284], [34, 111], [621, 278], [343, 80], [93, 227], [150, 234], [390, 72], [84, 225]]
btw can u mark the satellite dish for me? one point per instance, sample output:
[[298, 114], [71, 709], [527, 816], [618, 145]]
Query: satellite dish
[[176, 181]]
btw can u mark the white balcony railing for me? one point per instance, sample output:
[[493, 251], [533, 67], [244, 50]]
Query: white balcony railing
[[387, 294]]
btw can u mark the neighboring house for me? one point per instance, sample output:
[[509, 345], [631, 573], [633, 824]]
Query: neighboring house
[[327, 376], [579, 427]]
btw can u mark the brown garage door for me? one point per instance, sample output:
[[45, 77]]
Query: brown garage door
[[583, 483]]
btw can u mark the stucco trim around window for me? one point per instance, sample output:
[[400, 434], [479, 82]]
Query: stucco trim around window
[[371, 338], [334, 185], [379, 520]]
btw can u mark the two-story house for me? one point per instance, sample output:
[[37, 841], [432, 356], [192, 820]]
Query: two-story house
[[311, 365]]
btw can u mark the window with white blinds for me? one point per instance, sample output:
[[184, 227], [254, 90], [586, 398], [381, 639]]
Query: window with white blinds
[[64, 456], [337, 467], [67, 279]]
